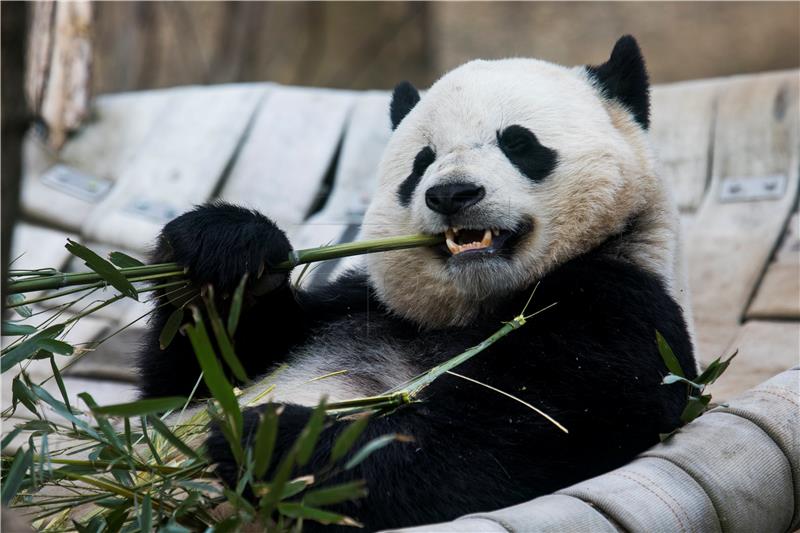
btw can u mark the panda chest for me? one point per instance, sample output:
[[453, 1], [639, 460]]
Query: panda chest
[[353, 357]]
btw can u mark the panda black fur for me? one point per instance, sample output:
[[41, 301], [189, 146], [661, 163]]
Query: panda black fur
[[557, 160]]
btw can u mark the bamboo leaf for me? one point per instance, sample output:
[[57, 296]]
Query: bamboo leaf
[[173, 439], [116, 519], [695, 406], [221, 335], [10, 436], [146, 437], [310, 434], [371, 447], [347, 438], [238, 501], [15, 475], [13, 329], [296, 486], [236, 306], [298, 510], [103, 423], [103, 268], [668, 356], [715, 370], [22, 394], [213, 374], [122, 260], [669, 379], [336, 494], [60, 382], [56, 346], [66, 412], [229, 525], [141, 407], [171, 327], [282, 473], [145, 517], [29, 347], [265, 440], [17, 300]]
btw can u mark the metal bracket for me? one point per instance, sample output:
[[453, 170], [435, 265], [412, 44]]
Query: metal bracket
[[76, 183], [753, 188], [155, 210]]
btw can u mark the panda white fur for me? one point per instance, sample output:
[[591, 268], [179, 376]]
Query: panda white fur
[[549, 166]]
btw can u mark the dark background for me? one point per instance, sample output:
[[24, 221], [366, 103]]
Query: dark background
[[366, 45]]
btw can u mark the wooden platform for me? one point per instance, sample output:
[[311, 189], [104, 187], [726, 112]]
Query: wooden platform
[[308, 158]]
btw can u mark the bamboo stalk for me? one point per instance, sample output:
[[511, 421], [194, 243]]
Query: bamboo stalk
[[58, 280]]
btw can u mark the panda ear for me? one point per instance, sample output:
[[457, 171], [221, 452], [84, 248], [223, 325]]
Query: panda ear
[[624, 78], [404, 98]]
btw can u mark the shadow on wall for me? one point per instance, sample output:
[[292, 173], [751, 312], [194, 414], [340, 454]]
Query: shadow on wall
[[141, 45]]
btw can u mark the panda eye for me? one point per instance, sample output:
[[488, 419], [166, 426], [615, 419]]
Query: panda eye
[[423, 160], [525, 152]]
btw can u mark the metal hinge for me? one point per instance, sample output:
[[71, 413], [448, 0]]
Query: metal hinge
[[76, 183], [753, 188]]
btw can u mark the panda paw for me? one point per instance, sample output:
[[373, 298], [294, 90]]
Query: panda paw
[[219, 243], [291, 421]]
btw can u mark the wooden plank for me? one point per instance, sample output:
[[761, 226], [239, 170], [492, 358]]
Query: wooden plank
[[83, 374], [756, 136], [778, 295], [63, 188], [682, 132], [367, 134], [84, 330], [178, 165], [290, 147], [765, 349], [36, 247]]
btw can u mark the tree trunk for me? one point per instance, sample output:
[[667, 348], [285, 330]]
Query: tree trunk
[[14, 118]]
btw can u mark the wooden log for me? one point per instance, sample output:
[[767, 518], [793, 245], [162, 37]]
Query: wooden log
[[753, 189], [58, 78], [14, 118]]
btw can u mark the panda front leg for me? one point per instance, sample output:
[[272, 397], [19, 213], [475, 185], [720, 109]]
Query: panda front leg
[[442, 470], [218, 244]]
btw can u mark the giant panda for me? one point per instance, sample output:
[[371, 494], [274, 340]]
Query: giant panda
[[533, 174]]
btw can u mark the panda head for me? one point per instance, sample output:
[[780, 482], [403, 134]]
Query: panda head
[[521, 165]]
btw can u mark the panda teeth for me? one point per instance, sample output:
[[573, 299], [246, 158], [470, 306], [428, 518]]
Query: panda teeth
[[456, 248], [487, 238]]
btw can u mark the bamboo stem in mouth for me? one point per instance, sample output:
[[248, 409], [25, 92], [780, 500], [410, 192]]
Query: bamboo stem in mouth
[[53, 279]]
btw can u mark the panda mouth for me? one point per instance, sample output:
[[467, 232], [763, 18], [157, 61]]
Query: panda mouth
[[461, 241]]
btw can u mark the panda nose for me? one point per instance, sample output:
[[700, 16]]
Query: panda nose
[[453, 197]]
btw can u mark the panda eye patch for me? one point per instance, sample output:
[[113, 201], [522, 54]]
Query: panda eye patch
[[422, 161], [523, 149]]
